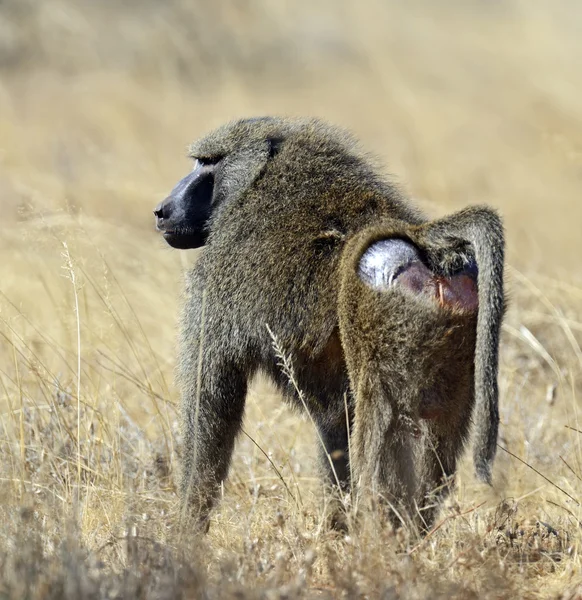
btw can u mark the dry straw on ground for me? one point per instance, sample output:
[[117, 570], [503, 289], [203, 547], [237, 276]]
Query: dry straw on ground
[[465, 101]]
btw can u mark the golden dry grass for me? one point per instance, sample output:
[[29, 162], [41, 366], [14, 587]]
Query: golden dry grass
[[465, 102]]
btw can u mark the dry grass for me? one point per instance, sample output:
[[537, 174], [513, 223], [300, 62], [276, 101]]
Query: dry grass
[[467, 102]]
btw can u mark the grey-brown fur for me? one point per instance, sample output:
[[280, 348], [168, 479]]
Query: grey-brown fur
[[288, 197], [404, 352]]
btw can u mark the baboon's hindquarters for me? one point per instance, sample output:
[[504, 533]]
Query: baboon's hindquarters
[[409, 333]]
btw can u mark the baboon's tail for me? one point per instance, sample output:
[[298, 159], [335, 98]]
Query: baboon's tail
[[483, 229]]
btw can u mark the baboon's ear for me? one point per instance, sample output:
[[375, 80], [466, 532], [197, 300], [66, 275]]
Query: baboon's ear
[[275, 144]]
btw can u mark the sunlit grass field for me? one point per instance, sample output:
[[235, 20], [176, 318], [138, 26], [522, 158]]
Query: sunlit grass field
[[461, 102]]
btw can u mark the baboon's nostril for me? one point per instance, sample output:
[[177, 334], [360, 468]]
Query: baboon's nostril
[[159, 211]]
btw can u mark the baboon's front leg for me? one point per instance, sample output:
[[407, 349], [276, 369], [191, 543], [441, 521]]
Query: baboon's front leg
[[212, 416]]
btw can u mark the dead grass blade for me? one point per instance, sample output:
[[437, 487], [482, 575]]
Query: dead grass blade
[[540, 474]]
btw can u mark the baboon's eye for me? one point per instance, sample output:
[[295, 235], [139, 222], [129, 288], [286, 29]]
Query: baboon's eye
[[206, 161]]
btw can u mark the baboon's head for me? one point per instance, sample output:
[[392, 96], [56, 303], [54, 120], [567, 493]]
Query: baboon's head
[[226, 164]]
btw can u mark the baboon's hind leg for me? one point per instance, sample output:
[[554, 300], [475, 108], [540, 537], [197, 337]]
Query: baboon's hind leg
[[437, 470]]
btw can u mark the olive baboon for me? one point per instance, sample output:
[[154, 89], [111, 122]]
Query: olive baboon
[[289, 212]]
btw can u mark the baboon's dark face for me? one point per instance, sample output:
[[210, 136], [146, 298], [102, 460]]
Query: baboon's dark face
[[183, 216]]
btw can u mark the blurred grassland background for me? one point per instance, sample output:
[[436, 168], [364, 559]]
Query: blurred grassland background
[[461, 102]]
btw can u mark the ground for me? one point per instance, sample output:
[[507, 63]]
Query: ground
[[461, 102]]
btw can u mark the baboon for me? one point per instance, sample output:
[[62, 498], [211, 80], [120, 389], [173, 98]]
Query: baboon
[[377, 309]]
